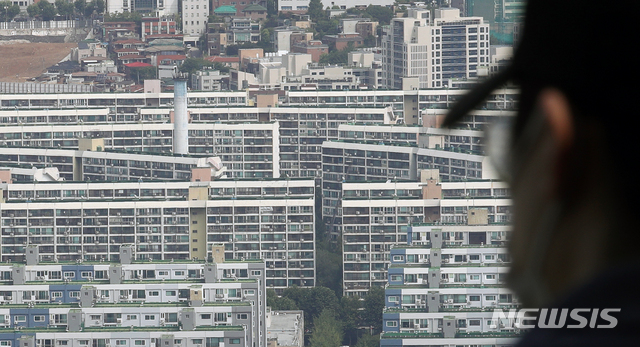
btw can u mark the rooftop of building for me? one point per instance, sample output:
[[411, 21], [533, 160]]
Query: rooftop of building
[[227, 9], [285, 327], [422, 335], [122, 329]]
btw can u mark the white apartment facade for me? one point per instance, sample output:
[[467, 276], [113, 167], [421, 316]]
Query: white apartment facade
[[434, 50], [159, 8], [271, 220], [195, 14], [378, 216]]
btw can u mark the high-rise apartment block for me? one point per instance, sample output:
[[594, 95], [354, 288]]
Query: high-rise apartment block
[[433, 50], [444, 285]]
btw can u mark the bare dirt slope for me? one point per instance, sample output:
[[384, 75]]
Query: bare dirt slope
[[28, 60]]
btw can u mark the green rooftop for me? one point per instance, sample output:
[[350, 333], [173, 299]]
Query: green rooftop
[[254, 8], [225, 10]]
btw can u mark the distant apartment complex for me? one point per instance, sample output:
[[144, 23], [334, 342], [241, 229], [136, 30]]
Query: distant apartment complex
[[133, 303]]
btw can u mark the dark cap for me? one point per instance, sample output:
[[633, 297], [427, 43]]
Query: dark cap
[[583, 48]]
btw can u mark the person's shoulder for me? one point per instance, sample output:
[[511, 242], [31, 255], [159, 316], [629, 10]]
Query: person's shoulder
[[586, 337]]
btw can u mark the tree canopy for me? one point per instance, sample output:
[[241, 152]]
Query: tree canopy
[[327, 330], [373, 305], [47, 10], [8, 10], [191, 65]]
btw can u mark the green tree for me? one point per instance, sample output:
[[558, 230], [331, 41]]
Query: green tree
[[312, 301], [327, 331], [380, 14], [191, 65], [99, 5], [139, 74], [367, 340], [47, 10], [272, 8], [279, 304], [315, 11], [373, 305], [221, 67], [80, 6], [33, 10], [8, 10], [329, 269], [337, 57], [350, 315], [64, 8]]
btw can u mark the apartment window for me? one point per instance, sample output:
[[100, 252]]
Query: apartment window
[[490, 277], [74, 294], [179, 273], [163, 273], [474, 277], [140, 342], [86, 274], [20, 318], [491, 297], [392, 324], [149, 317], [474, 322], [38, 318], [69, 274], [154, 293], [234, 341], [170, 293], [242, 316], [256, 273], [83, 342], [95, 317], [394, 298], [56, 295], [205, 316], [132, 316], [474, 297], [121, 342]]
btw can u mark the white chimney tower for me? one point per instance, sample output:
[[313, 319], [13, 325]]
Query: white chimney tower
[[180, 115]]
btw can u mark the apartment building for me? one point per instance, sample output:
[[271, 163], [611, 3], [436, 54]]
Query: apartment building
[[370, 161], [247, 150], [444, 284], [195, 14], [409, 106], [271, 220], [158, 8], [133, 303], [436, 50], [376, 216]]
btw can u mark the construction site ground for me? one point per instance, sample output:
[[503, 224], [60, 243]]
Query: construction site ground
[[20, 61]]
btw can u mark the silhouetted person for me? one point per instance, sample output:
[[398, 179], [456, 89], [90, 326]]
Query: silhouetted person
[[571, 159]]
